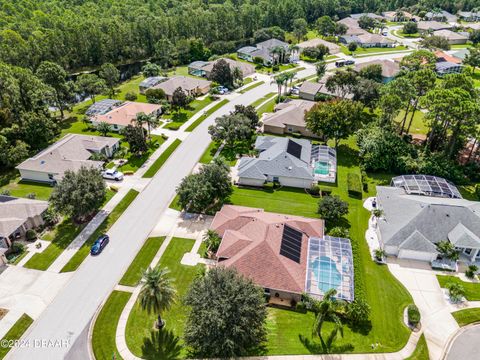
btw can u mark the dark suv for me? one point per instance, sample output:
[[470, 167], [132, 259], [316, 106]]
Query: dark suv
[[99, 244]]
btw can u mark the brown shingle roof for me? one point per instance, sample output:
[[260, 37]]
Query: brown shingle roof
[[251, 240], [389, 68], [127, 112], [187, 83], [290, 113]]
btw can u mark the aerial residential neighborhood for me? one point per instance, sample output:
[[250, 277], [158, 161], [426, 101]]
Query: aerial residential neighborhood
[[265, 179]]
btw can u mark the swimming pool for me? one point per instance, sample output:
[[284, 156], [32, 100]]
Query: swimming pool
[[322, 168], [326, 273]]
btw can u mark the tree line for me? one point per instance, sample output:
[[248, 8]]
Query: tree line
[[83, 34]]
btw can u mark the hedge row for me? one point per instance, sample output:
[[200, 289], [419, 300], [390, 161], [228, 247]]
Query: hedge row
[[354, 184]]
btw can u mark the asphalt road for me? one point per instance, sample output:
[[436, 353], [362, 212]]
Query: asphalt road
[[64, 319], [54, 333], [465, 346]]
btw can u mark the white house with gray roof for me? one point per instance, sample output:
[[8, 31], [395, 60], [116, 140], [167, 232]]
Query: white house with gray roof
[[283, 160], [412, 225], [262, 50]]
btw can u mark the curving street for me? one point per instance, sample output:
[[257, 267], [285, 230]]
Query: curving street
[[464, 346]]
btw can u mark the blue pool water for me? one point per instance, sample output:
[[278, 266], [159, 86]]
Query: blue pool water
[[321, 167], [326, 273]]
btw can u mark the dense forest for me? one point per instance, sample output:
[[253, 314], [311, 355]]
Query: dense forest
[[87, 33]]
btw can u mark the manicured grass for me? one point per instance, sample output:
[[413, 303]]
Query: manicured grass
[[262, 99], [401, 34], [18, 258], [472, 290], [140, 323], [267, 107], [152, 170], [251, 87], [15, 333], [468, 192], [105, 328], [209, 153], [290, 332], [421, 351], [467, 316], [174, 204], [206, 114], [419, 125], [61, 236], [281, 68], [363, 51], [142, 260], [180, 117], [247, 81], [461, 46], [84, 250], [21, 188]]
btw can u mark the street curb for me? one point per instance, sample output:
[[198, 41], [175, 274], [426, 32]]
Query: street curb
[[456, 334]]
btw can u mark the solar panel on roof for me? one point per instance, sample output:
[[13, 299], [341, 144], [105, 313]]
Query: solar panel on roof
[[291, 246], [294, 149], [426, 185]]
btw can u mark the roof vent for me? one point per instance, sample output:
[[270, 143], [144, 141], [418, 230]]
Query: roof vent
[[42, 162], [448, 215]]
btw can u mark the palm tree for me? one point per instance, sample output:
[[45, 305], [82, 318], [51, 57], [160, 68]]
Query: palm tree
[[447, 249], [289, 76], [326, 309], [212, 240], [142, 119], [275, 52], [103, 128], [157, 292], [321, 69], [293, 48], [279, 80]]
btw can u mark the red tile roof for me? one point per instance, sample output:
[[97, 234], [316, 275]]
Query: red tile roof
[[251, 240]]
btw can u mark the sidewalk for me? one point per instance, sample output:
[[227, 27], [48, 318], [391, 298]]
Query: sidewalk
[[68, 253]]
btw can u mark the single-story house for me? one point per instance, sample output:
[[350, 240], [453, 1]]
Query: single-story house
[[447, 67], [429, 26], [262, 50], [309, 90], [282, 253], [473, 26], [367, 40], [469, 16], [452, 37], [17, 215], [390, 68], [369, 15], [332, 48], [150, 82], [102, 106], [460, 54], [191, 86], [204, 69], [440, 16], [124, 114], [352, 26], [69, 153], [393, 16], [443, 56], [412, 224], [289, 162], [288, 118]]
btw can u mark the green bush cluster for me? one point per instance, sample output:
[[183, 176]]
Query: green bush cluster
[[413, 315], [31, 235], [354, 184]]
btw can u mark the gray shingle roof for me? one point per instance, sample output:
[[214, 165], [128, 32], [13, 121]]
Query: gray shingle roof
[[418, 242], [15, 211], [274, 160], [461, 236]]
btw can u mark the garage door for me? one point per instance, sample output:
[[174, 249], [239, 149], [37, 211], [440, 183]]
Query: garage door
[[416, 255]]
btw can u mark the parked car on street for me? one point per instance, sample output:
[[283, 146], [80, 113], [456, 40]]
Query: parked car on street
[[112, 174], [222, 90], [342, 63], [99, 244]]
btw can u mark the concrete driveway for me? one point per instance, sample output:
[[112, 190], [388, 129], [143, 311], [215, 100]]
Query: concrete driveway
[[437, 322]]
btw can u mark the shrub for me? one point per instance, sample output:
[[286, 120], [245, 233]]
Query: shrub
[[17, 248], [477, 191], [154, 96], [50, 216], [455, 291], [275, 68], [31, 196], [339, 231], [130, 96], [5, 192], [413, 315], [128, 172], [358, 311], [354, 184], [114, 188], [301, 307], [315, 190], [30, 235], [471, 271], [379, 254], [332, 208], [364, 180]]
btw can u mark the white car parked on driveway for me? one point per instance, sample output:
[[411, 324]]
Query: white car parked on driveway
[[112, 174]]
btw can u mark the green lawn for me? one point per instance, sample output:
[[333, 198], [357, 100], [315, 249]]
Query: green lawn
[[142, 260], [467, 316], [401, 34], [267, 107], [206, 114], [472, 290], [152, 170], [365, 51], [421, 351], [419, 125], [134, 162], [15, 333], [140, 323], [290, 332], [253, 86], [180, 117], [21, 188], [105, 328], [84, 250], [461, 46], [209, 153], [262, 99]]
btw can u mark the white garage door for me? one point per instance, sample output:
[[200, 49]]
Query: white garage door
[[416, 255]]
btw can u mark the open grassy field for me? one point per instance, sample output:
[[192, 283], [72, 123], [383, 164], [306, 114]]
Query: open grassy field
[[139, 325], [467, 316], [15, 333], [418, 126], [84, 250], [472, 290], [104, 330]]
